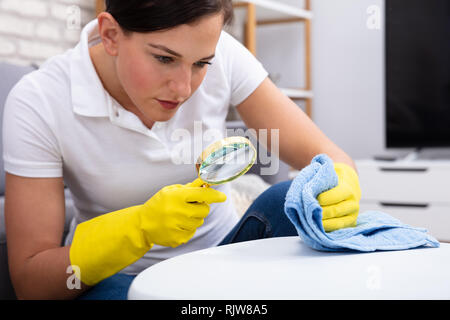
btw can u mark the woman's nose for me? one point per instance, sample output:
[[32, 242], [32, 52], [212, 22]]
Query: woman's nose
[[180, 84]]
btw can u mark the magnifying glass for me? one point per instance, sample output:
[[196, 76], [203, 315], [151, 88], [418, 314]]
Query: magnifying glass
[[224, 161]]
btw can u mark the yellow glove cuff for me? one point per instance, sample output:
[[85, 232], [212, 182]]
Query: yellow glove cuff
[[344, 171], [340, 205], [104, 245]]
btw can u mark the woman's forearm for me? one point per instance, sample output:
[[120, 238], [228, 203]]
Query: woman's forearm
[[299, 151], [47, 275], [341, 156]]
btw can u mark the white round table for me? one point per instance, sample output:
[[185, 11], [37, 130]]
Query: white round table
[[285, 268]]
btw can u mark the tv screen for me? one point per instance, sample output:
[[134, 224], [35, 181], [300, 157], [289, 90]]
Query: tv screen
[[417, 73]]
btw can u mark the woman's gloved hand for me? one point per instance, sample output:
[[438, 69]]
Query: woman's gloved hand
[[341, 204], [108, 243], [172, 216]]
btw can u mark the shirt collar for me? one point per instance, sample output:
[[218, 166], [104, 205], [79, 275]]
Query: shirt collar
[[89, 98]]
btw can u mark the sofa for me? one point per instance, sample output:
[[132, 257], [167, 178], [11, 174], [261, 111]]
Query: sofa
[[244, 190]]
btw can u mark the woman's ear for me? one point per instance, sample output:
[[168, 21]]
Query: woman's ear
[[110, 33]]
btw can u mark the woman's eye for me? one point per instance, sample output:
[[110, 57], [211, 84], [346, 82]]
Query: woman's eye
[[164, 60], [167, 60], [202, 64]]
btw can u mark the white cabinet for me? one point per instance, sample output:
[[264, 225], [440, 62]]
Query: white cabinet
[[415, 192]]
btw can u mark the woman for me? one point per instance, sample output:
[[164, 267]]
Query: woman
[[99, 119]]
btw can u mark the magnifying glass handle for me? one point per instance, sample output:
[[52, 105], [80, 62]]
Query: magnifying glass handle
[[198, 183]]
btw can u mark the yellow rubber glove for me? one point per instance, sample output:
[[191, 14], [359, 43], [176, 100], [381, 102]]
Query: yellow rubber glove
[[108, 243], [341, 204]]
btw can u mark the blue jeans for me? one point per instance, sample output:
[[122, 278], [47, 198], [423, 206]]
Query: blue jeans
[[265, 218], [112, 288]]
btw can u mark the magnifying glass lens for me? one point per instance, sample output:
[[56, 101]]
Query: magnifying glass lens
[[226, 160]]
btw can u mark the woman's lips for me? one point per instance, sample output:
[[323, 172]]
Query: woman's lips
[[170, 105]]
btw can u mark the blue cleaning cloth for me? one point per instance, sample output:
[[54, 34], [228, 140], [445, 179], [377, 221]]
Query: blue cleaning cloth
[[374, 230]]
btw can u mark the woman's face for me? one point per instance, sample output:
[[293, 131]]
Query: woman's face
[[160, 70]]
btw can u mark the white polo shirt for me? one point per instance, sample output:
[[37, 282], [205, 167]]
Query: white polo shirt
[[59, 121]]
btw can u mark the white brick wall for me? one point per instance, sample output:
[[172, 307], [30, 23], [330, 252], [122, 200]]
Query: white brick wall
[[31, 31]]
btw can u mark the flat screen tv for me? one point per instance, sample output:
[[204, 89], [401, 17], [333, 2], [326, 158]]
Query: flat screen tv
[[417, 73]]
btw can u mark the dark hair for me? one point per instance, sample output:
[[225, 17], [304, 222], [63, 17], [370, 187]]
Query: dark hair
[[154, 15]]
